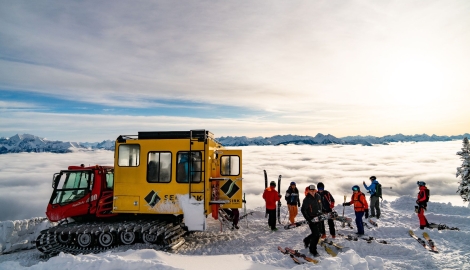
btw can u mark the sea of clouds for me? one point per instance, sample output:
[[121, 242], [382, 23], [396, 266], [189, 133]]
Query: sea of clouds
[[26, 178]]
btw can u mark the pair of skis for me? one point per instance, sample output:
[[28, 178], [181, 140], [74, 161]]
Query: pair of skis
[[428, 244], [278, 191], [371, 221], [328, 244], [370, 239], [295, 255], [367, 239], [442, 227], [245, 215]]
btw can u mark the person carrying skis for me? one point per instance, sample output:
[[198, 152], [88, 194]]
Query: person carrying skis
[[374, 198], [328, 203], [422, 202], [293, 201], [271, 196], [358, 199], [311, 208]]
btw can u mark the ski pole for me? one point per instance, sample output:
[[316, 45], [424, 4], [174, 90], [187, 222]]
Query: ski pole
[[244, 210], [342, 225]]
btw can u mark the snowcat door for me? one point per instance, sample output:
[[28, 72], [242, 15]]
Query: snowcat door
[[70, 195], [231, 169]]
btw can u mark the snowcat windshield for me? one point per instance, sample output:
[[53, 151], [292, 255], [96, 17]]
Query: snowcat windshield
[[72, 186]]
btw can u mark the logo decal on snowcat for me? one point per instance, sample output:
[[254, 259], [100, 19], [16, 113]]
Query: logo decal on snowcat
[[152, 198], [230, 188]]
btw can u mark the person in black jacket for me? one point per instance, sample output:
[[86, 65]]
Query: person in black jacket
[[293, 200], [311, 207], [328, 203]]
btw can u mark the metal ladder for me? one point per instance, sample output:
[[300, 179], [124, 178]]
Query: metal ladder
[[192, 170]]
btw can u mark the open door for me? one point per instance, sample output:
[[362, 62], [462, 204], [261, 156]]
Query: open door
[[231, 169]]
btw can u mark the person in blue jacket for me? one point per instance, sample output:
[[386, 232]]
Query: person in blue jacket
[[374, 198]]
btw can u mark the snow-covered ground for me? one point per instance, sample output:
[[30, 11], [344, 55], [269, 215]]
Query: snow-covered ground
[[25, 188], [254, 246]]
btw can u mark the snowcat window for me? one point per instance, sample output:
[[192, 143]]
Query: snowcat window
[[129, 155], [72, 187], [159, 167], [230, 165], [189, 166], [109, 180]]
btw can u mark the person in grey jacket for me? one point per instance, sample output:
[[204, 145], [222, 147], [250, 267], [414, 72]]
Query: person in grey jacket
[[374, 199], [312, 207]]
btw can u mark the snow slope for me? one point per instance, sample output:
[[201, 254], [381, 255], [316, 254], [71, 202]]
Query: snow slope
[[255, 247]]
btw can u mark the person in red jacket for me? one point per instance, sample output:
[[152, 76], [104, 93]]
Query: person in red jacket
[[422, 202], [358, 199], [271, 196]]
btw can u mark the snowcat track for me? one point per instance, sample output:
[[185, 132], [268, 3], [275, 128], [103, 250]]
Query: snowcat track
[[64, 238]]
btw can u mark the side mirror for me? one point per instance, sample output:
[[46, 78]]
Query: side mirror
[[55, 180]]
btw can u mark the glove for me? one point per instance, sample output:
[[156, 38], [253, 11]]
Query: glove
[[280, 196], [367, 213], [298, 204], [332, 205], [346, 204], [417, 201]]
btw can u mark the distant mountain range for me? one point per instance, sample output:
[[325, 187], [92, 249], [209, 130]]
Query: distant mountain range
[[30, 143]]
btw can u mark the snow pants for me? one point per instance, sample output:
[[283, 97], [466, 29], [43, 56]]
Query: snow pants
[[359, 225], [331, 226], [423, 222], [313, 237], [293, 210], [375, 206], [271, 218]]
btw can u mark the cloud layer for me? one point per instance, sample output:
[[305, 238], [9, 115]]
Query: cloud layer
[[25, 178]]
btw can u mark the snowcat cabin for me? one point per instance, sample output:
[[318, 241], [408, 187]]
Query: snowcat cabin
[[81, 192], [155, 171]]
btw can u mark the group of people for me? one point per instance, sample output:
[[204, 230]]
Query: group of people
[[319, 201]]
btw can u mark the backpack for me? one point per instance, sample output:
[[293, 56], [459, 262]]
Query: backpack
[[378, 190], [428, 193]]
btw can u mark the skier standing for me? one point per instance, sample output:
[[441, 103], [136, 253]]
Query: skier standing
[[328, 203], [422, 202], [311, 208], [271, 196], [293, 201], [374, 198], [358, 199]]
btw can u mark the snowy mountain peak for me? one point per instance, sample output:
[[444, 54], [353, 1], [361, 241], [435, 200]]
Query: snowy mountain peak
[[30, 143]]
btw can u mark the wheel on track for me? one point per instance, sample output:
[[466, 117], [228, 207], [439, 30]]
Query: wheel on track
[[84, 240], [149, 238], [127, 238], [64, 238], [106, 239]]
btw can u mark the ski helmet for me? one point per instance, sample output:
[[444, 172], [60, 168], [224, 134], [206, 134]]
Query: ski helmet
[[356, 188], [320, 185], [292, 183], [372, 177], [421, 183], [273, 184], [312, 187]]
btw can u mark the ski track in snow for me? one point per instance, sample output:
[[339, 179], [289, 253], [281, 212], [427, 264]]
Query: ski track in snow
[[257, 244]]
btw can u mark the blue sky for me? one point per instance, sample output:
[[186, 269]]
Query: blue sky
[[88, 71]]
